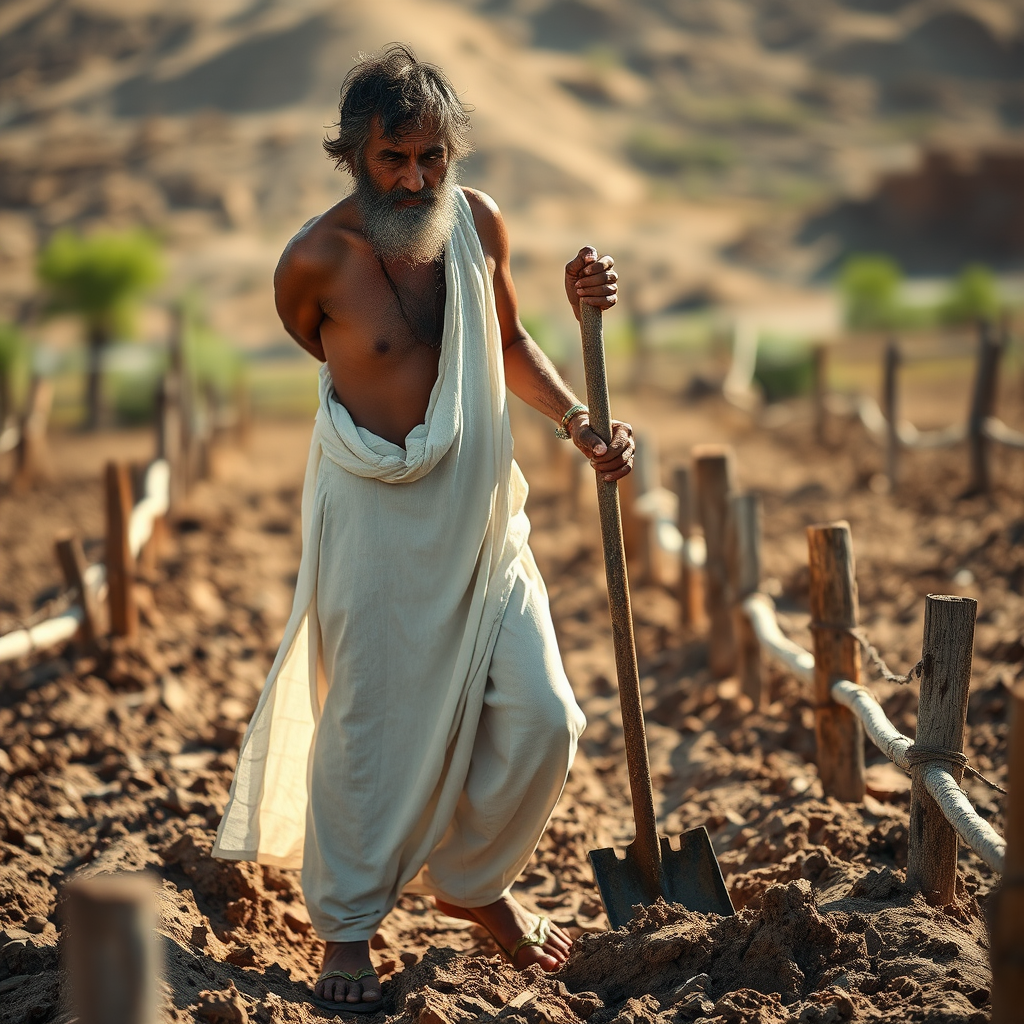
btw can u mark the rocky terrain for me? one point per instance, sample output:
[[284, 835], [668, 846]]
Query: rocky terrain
[[689, 137]]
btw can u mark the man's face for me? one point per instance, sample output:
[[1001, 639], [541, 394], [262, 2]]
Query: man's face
[[403, 189]]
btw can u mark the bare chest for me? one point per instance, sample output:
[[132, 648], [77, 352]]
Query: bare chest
[[382, 341]]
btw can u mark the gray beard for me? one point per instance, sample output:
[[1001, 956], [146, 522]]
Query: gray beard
[[411, 234]]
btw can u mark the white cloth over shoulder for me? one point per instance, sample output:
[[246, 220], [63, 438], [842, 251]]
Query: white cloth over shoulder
[[409, 556]]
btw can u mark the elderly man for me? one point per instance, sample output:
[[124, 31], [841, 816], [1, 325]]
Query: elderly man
[[417, 726]]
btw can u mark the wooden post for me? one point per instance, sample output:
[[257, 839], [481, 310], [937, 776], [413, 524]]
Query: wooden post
[[982, 406], [124, 620], [243, 412], [170, 438], [33, 453], [691, 582], [179, 369], [745, 578], [112, 949], [713, 469], [941, 722], [890, 408], [1007, 919], [834, 611], [819, 367], [73, 565], [647, 471]]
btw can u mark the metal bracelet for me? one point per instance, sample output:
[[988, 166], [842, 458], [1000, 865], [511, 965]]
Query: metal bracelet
[[562, 431]]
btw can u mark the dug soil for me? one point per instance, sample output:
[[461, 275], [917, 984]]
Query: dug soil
[[121, 761]]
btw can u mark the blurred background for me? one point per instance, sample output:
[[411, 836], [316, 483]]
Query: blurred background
[[771, 172]]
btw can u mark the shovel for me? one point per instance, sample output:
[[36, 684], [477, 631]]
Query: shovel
[[651, 867]]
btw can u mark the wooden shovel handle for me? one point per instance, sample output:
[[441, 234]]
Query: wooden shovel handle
[[646, 846]]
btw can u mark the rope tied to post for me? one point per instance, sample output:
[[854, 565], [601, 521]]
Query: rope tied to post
[[872, 652], [917, 754]]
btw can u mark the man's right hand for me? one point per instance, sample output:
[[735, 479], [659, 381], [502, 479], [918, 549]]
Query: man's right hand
[[591, 280]]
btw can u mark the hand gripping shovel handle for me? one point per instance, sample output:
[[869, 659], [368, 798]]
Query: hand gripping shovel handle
[[646, 846]]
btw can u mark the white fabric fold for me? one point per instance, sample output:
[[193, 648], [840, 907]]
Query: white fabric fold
[[409, 556]]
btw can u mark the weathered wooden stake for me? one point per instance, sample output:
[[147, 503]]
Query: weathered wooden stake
[[33, 452], [124, 619], [745, 578], [891, 410], [834, 611], [819, 388], [186, 402], [713, 469], [941, 721], [73, 565], [691, 579], [982, 406], [112, 949], [647, 471], [1007, 919]]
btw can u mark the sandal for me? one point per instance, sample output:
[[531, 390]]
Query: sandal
[[371, 1006], [539, 935]]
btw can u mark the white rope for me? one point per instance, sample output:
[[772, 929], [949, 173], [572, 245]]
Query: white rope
[[996, 430], [889, 740], [45, 634], [760, 610], [910, 437], [9, 439], [869, 412], [975, 832], [660, 505], [154, 503], [973, 829]]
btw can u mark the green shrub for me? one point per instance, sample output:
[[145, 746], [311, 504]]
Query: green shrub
[[14, 363], [870, 285], [784, 370], [212, 360], [133, 396], [973, 296]]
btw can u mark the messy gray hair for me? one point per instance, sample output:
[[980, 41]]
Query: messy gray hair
[[406, 94]]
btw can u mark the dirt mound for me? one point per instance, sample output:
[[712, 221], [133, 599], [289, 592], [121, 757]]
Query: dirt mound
[[122, 762]]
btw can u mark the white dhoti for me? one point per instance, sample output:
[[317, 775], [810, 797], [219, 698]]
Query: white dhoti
[[417, 727]]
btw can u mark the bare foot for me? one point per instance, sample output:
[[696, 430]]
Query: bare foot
[[508, 921], [352, 958]]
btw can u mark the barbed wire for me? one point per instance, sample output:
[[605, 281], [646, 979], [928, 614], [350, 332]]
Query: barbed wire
[[872, 652]]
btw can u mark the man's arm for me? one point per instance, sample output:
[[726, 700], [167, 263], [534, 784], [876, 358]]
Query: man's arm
[[529, 373], [296, 282]]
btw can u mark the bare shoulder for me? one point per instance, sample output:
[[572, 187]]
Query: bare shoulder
[[488, 220], [320, 244]]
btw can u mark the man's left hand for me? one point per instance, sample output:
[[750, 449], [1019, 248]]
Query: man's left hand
[[612, 461]]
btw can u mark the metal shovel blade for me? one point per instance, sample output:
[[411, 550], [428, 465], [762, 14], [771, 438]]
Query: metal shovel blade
[[689, 876]]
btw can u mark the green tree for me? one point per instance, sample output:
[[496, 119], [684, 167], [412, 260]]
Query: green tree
[[973, 296], [101, 279], [871, 287]]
